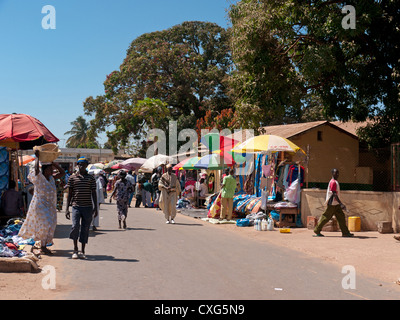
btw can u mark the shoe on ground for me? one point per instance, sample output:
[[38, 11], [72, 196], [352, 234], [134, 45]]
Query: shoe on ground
[[75, 255], [349, 235], [82, 256], [318, 234], [172, 221], [167, 222]]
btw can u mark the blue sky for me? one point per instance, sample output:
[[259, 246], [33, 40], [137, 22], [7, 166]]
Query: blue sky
[[49, 73]]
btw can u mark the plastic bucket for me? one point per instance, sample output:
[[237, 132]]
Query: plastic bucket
[[354, 224]]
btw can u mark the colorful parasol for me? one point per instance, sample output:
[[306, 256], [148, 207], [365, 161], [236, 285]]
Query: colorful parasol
[[132, 163], [22, 131], [26, 159], [186, 164], [213, 161], [214, 142], [267, 143]]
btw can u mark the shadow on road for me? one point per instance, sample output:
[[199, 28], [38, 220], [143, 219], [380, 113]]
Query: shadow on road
[[188, 224], [91, 257]]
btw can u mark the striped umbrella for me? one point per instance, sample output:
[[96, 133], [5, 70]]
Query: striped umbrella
[[186, 164], [213, 161]]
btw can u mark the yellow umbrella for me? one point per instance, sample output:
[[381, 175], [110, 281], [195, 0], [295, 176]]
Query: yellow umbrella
[[267, 143]]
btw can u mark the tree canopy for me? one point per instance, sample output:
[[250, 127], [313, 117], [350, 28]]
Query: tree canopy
[[282, 61], [291, 56], [182, 70]]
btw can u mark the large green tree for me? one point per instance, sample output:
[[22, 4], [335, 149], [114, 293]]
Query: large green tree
[[185, 67], [293, 56]]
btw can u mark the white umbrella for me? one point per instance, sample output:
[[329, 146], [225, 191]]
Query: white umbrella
[[156, 161], [99, 165], [95, 171], [132, 163], [95, 166], [118, 171]]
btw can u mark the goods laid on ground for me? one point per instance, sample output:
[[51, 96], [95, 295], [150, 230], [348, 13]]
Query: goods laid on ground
[[13, 258]]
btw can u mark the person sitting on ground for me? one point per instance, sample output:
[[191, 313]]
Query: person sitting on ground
[[12, 203]]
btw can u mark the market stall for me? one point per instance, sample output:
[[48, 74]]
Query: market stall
[[18, 132], [22, 132], [277, 184], [268, 182]]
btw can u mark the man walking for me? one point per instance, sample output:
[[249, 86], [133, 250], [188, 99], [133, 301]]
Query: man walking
[[82, 195], [170, 188], [334, 208], [227, 193], [148, 191]]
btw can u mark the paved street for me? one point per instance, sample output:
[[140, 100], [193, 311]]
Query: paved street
[[192, 260]]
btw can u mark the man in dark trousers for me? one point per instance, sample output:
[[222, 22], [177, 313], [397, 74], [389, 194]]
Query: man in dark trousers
[[82, 195], [335, 208]]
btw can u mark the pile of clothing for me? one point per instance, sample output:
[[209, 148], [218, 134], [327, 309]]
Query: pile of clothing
[[183, 203], [11, 245], [243, 204]]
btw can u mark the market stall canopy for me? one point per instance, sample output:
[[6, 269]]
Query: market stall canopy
[[98, 165], [95, 171], [108, 166], [95, 166], [116, 172], [187, 164], [213, 161], [22, 131], [156, 161], [214, 142], [267, 143], [26, 159], [132, 163]]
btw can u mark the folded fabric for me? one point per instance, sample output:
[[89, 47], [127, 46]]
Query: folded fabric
[[285, 204]]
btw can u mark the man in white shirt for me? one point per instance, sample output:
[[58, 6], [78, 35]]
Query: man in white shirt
[[334, 208]]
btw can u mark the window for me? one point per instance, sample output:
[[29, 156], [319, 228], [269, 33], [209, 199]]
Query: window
[[319, 135]]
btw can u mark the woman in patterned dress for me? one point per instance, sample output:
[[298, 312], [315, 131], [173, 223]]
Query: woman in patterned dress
[[123, 188], [41, 219]]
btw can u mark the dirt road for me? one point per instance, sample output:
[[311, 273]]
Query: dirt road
[[194, 259]]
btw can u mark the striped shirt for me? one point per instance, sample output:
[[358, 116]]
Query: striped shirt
[[81, 187]]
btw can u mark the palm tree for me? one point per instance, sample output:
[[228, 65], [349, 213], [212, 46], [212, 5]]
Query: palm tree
[[78, 134]]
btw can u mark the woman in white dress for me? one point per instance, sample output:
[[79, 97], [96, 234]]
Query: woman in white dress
[[41, 219]]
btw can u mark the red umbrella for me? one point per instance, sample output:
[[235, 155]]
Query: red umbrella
[[22, 131]]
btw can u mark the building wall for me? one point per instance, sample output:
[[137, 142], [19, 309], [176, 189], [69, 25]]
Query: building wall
[[69, 156], [335, 149], [371, 206]]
